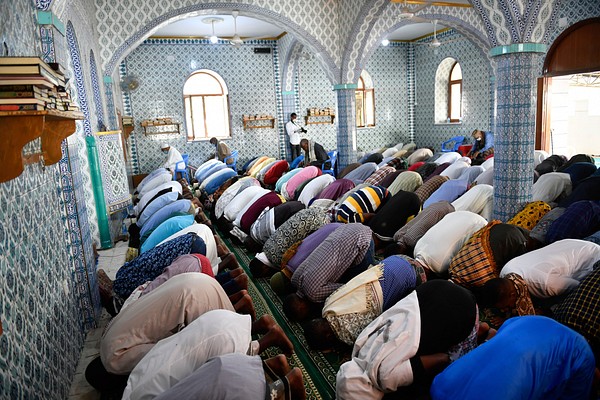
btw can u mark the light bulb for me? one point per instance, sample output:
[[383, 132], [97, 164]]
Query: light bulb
[[214, 39], [385, 42]]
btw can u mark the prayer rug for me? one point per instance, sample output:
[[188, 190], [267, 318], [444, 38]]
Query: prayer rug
[[318, 369]]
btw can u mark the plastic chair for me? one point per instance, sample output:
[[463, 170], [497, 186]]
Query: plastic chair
[[181, 167], [234, 157], [332, 161], [297, 161], [452, 144]]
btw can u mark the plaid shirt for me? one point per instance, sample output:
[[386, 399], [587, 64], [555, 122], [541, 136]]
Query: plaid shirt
[[430, 186], [474, 263], [317, 277], [581, 309], [377, 176]]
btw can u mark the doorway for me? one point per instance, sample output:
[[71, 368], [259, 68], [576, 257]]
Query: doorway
[[568, 115]]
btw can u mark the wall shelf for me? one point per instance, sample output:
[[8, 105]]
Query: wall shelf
[[318, 119], [161, 127], [263, 122], [21, 127]]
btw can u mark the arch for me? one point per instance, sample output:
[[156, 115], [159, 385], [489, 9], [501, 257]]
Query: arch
[[202, 90], [442, 75], [576, 50], [96, 91], [79, 81], [468, 31], [250, 10], [289, 67]]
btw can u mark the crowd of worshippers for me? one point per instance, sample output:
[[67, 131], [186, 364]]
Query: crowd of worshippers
[[396, 262]]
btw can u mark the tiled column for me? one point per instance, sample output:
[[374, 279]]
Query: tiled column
[[514, 139], [410, 78], [346, 124], [289, 106]]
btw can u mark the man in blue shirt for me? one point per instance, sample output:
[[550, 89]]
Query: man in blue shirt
[[483, 147]]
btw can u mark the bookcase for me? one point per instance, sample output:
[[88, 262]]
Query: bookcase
[[160, 126], [258, 122], [21, 127]]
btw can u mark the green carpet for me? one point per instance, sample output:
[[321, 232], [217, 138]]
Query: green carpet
[[319, 369]]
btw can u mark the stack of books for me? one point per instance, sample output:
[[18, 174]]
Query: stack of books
[[30, 84], [127, 120]]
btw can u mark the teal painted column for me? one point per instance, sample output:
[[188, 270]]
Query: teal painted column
[[105, 240]]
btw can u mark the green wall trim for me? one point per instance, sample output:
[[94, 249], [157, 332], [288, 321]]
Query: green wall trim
[[107, 79], [518, 48], [289, 93], [105, 240], [342, 86], [48, 18]]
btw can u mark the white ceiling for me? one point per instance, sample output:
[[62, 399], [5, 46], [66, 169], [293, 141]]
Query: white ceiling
[[250, 27]]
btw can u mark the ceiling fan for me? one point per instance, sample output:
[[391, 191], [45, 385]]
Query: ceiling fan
[[236, 41], [435, 42], [409, 13]]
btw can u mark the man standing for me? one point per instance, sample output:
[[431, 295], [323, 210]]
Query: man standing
[[221, 150], [314, 153], [173, 157], [293, 131]]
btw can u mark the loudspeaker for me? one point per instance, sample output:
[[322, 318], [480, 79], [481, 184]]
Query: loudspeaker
[[262, 50]]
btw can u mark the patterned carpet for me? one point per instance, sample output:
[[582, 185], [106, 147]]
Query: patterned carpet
[[319, 369]]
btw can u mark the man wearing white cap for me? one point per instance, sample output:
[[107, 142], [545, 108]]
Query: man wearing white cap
[[173, 157]]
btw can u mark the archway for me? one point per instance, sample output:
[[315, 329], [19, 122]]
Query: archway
[[575, 53]]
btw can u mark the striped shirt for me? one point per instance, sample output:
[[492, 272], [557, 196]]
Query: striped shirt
[[363, 201], [317, 277]]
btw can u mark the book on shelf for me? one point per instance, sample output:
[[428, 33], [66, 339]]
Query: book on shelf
[[9, 80], [21, 107], [30, 71], [27, 100], [22, 93]]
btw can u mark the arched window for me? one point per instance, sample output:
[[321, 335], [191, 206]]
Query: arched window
[[455, 93], [365, 101], [206, 102]]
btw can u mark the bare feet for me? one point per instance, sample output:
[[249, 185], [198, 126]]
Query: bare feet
[[290, 386], [294, 378], [245, 306], [237, 296], [276, 337], [235, 272], [241, 281], [228, 262], [278, 365]]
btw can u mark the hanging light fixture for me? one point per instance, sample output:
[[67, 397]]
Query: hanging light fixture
[[212, 20], [385, 42]]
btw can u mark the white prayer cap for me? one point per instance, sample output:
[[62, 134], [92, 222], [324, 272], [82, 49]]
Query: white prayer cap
[[164, 146]]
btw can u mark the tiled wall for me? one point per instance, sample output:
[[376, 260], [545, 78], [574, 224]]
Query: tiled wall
[[387, 68], [476, 89], [250, 80], [45, 303]]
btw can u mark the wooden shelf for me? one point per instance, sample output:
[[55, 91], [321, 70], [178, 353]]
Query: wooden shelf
[[171, 130], [21, 127], [321, 119], [247, 125]]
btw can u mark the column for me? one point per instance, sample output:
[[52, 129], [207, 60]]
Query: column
[[346, 124], [289, 106], [514, 133]]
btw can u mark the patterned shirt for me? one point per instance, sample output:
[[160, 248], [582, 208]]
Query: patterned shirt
[[363, 201], [299, 226], [524, 306], [409, 234], [317, 277], [530, 215], [474, 263]]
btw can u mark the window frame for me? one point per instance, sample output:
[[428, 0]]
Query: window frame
[[192, 136], [450, 84], [364, 92]]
